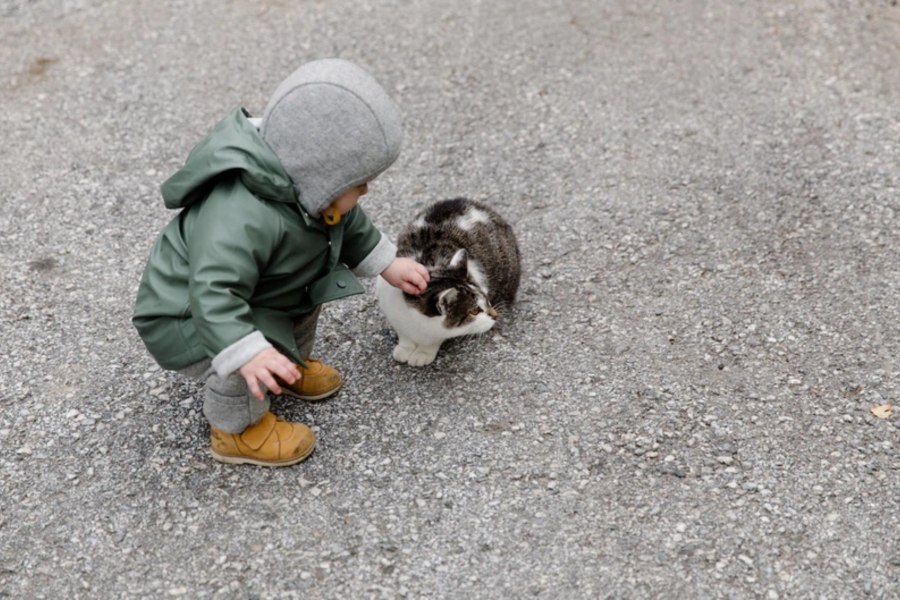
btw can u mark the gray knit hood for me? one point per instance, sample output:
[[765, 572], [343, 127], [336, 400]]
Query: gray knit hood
[[333, 127]]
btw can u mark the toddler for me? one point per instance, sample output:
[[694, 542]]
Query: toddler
[[268, 232]]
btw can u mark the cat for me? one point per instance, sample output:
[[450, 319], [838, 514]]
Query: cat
[[473, 259]]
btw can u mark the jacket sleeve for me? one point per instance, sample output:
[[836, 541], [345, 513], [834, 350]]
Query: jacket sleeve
[[365, 250], [228, 249]]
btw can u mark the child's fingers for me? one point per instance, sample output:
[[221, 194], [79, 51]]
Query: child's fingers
[[286, 370], [270, 382], [415, 278], [423, 272], [254, 387]]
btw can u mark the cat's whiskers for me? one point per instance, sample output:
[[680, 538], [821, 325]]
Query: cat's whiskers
[[500, 306], [474, 336]]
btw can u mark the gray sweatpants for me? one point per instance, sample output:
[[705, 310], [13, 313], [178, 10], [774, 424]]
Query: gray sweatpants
[[228, 404]]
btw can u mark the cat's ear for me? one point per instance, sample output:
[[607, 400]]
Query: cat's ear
[[460, 261], [446, 298]]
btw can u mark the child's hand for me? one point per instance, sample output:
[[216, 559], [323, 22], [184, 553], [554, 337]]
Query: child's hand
[[263, 366], [408, 275]]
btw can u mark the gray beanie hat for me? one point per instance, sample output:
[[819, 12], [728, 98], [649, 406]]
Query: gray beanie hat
[[333, 128]]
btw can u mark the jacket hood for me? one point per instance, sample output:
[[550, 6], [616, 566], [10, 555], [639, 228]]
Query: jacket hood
[[333, 127], [234, 144]]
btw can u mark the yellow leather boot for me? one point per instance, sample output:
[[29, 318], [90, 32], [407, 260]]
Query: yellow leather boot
[[272, 442], [317, 382]]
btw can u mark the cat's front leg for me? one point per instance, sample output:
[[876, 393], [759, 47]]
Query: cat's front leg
[[422, 355], [403, 350]]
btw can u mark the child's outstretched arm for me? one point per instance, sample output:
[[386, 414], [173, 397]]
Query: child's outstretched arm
[[369, 253], [263, 367], [408, 275]]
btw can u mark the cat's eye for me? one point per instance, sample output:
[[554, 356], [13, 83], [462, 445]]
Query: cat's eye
[[475, 311]]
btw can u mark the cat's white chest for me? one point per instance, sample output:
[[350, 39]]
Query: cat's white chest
[[408, 322], [419, 337]]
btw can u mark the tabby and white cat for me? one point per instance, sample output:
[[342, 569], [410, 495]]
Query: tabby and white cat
[[473, 259]]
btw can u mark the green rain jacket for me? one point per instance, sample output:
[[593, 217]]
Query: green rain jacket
[[243, 256]]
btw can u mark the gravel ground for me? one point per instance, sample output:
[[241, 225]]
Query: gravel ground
[[677, 407]]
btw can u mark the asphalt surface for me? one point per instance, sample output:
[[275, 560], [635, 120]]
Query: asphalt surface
[[706, 197]]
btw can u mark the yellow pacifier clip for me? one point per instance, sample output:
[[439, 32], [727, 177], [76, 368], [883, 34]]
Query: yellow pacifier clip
[[334, 217]]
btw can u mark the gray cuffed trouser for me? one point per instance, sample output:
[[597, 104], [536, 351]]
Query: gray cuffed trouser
[[228, 404]]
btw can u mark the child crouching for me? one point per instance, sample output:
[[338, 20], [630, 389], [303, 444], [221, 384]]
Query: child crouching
[[268, 232]]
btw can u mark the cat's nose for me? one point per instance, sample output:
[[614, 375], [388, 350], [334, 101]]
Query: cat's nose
[[491, 312]]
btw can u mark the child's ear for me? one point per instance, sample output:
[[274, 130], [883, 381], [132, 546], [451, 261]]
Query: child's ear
[[460, 263], [446, 298]]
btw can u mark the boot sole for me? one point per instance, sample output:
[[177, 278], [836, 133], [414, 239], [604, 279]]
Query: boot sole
[[316, 397], [246, 460]]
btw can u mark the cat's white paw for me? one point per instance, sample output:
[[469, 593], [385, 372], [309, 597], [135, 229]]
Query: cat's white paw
[[422, 355], [403, 350]]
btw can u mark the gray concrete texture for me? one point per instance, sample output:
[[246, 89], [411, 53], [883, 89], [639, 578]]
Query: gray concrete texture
[[706, 196]]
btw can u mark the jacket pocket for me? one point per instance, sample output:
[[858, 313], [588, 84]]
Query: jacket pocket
[[339, 283], [166, 342]]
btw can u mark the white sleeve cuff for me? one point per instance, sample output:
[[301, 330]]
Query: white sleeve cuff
[[239, 353], [378, 259]]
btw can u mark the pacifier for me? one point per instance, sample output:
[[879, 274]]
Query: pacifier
[[333, 217]]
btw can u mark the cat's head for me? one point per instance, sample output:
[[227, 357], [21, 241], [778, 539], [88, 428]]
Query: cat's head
[[454, 295]]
